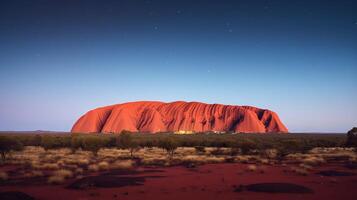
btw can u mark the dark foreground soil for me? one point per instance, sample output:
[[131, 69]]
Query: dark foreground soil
[[213, 181]]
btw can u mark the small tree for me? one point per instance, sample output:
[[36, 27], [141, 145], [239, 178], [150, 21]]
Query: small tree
[[170, 145], [126, 141], [92, 143], [76, 143], [8, 144]]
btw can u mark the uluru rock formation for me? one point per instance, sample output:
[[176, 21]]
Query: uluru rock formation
[[179, 117]]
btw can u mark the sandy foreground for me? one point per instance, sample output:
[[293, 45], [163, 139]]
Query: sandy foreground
[[210, 181]]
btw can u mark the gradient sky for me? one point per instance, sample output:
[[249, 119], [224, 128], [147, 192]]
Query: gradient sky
[[58, 59]]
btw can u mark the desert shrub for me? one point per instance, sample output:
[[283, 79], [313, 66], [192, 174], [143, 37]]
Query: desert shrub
[[35, 140], [169, 144], [246, 146], [55, 142], [218, 151], [235, 151], [8, 144], [290, 146], [126, 141], [76, 143], [200, 149]]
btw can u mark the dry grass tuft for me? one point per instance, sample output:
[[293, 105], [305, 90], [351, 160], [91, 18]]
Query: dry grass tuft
[[252, 168], [263, 161], [312, 160], [83, 161], [55, 179], [64, 173], [300, 171], [103, 165], [241, 159], [93, 168], [46, 166], [122, 164]]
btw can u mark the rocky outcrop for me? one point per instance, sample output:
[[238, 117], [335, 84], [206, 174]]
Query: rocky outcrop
[[180, 117], [352, 137]]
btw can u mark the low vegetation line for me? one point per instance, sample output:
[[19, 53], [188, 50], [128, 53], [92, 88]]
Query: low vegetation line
[[244, 143]]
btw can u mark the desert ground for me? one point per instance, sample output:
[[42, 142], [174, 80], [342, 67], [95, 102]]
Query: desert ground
[[61, 166]]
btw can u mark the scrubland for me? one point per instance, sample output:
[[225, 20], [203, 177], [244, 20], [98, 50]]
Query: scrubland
[[61, 157]]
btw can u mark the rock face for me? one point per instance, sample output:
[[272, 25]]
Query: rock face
[[179, 117]]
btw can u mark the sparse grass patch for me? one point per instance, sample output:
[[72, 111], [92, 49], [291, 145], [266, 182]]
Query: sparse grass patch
[[300, 171]]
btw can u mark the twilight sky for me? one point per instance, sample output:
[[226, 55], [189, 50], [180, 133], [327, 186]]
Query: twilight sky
[[58, 59]]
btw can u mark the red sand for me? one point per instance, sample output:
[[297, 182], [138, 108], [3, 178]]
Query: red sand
[[214, 181], [152, 117]]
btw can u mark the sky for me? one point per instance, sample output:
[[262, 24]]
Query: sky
[[59, 59]]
